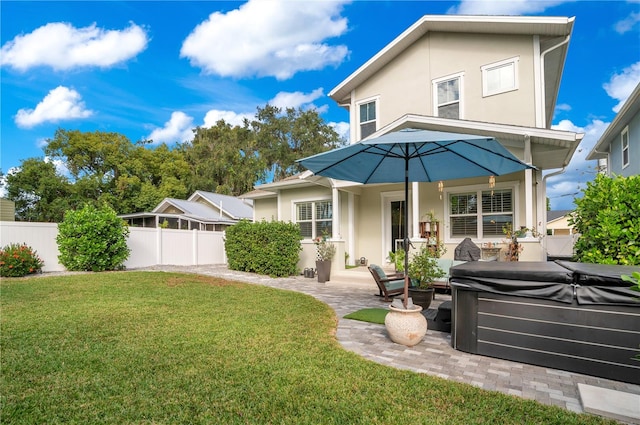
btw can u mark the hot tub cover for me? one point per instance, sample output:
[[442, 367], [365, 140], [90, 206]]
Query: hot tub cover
[[561, 281]]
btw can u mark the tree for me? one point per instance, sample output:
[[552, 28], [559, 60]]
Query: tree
[[224, 159], [40, 193], [108, 168], [284, 138], [608, 220]]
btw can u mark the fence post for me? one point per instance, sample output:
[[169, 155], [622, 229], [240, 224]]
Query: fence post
[[159, 245], [194, 249]]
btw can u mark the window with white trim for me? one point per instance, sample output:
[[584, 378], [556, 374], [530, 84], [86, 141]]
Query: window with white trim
[[367, 118], [500, 77], [624, 138], [480, 214], [447, 102], [314, 218]]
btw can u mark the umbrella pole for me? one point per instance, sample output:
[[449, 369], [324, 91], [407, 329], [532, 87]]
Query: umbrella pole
[[406, 233]]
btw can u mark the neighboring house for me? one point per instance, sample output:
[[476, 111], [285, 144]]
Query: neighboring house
[[7, 210], [618, 149], [558, 223], [486, 75], [202, 211]]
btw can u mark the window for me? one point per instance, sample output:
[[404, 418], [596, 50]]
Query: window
[[625, 147], [500, 77], [314, 218], [367, 119], [447, 98], [480, 214]]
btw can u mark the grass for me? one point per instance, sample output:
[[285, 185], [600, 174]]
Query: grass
[[164, 348], [373, 315]]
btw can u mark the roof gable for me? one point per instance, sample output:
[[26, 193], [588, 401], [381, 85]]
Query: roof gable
[[550, 29], [230, 206]]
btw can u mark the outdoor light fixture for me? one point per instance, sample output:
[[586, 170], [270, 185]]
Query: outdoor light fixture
[[440, 188], [492, 183]]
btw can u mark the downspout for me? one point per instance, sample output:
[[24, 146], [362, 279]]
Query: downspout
[[542, 56], [544, 219]]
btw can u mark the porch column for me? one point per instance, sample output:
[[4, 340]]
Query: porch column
[[528, 185], [335, 218], [415, 211], [351, 233]]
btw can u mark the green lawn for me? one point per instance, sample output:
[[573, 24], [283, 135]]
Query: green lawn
[[163, 348]]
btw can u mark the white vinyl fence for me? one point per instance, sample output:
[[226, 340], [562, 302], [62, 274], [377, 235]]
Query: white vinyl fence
[[149, 247]]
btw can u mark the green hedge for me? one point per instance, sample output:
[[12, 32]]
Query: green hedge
[[270, 248], [93, 239], [608, 220]]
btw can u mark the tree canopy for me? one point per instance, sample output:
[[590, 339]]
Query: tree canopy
[[105, 168]]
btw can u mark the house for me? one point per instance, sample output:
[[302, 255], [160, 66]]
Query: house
[[558, 223], [618, 149], [202, 211], [484, 75], [7, 210]]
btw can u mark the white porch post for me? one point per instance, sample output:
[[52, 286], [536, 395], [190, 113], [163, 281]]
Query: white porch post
[[335, 218], [528, 185], [351, 236], [415, 209]]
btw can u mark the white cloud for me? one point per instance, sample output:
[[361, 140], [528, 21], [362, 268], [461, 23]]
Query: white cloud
[[61, 166], [627, 24], [503, 7], [563, 107], [295, 99], [62, 46], [60, 104], [213, 116], [268, 38], [342, 128], [621, 85], [178, 129], [561, 189]]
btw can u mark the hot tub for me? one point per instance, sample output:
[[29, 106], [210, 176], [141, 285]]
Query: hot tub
[[563, 315]]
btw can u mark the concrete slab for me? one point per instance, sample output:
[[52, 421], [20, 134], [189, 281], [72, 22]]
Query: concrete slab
[[614, 404]]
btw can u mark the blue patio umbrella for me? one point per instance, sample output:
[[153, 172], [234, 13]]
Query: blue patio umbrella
[[413, 155]]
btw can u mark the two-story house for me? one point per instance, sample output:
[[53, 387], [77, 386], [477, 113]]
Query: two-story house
[[485, 75], [618, 149]]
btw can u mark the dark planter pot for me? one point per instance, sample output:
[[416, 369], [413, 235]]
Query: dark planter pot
[[323, 269], [421, 297]]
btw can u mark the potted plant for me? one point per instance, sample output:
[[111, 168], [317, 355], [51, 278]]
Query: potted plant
[[325, 252], [423, 270], [397, 258]]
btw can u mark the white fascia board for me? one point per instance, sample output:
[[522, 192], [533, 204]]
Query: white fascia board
[[166, 202], [630, 107]]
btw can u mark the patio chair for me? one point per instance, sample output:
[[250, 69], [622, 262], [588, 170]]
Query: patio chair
[[389, 284]]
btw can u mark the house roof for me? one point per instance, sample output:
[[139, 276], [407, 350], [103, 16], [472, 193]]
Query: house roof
[[556, 214], [549, 148], [547, 27], [630, 108], [233, 207]]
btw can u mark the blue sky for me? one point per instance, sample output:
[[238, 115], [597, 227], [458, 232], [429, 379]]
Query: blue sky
[[154, 70]]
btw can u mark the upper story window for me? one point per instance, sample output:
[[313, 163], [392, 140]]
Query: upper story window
[[314, 218], [479, 213], [447, 102], [367, 118], [500, 77], [624, 138]]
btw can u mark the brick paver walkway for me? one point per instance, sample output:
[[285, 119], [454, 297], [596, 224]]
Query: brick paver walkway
[[434, 355]]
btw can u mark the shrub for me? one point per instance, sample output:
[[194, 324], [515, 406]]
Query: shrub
[[608, 220], [19, 260], [269, 248], [93, 239]]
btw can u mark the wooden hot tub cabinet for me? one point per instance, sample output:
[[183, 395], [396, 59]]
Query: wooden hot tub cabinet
[[563, 315]]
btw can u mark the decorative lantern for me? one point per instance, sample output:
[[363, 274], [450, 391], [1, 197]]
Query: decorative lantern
[[440, 188], [492, 183]]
